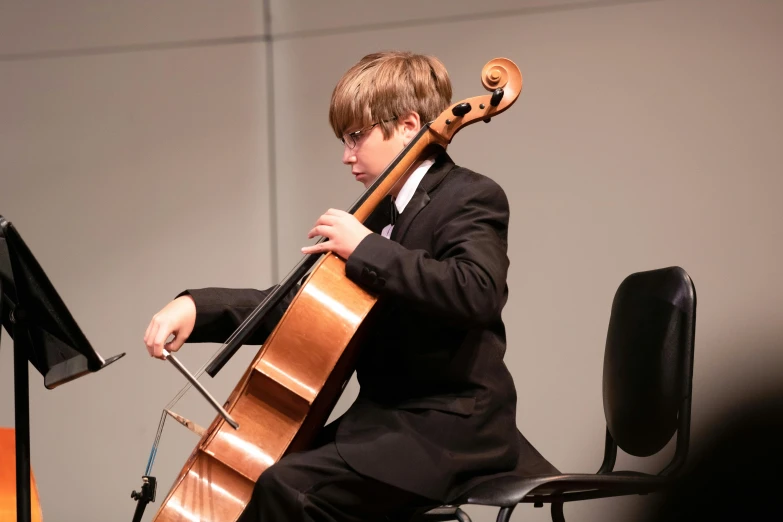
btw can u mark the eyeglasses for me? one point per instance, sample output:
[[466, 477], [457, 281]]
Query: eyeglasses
[[352, 138]]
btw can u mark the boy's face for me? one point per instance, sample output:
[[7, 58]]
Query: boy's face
[[371, 153]]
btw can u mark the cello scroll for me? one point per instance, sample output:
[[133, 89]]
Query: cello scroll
[[503, 78]]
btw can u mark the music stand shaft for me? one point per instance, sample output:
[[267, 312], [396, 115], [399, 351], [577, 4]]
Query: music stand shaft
[[22, 427]]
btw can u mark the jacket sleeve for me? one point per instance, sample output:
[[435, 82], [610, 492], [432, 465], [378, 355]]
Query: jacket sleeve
[[464, 278], [220, 311]]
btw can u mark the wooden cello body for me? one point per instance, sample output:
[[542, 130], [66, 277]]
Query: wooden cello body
[[8, 480], [290, 388]]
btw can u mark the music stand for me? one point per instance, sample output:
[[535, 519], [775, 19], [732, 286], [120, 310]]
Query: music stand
[[44, 333]]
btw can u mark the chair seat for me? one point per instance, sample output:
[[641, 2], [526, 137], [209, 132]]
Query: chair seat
[[508, 491]]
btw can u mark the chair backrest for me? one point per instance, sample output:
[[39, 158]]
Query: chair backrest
[[648, 363]]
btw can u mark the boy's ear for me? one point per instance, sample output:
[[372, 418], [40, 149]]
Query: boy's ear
[[410, 125]]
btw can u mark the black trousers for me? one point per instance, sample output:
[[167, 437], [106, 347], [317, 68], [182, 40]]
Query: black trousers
[[318, 486]]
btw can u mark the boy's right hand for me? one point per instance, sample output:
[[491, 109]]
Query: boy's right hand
[[178, 318]]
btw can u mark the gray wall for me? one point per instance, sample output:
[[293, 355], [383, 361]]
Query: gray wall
[[135, 159]]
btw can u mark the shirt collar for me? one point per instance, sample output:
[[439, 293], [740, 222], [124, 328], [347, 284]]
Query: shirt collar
[[409, 188]]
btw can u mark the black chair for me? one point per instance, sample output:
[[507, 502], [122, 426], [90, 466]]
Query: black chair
[[647, 376]]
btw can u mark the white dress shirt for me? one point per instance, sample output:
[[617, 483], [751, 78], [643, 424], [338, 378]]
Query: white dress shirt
[[407, 191]]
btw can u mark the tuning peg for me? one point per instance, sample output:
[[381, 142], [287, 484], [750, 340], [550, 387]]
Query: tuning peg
[[461, 110], [497, 95]]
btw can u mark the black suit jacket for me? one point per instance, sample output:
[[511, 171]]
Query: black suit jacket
[[437, 406]]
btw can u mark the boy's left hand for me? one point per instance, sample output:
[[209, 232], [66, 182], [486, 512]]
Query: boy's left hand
[[343, 231]]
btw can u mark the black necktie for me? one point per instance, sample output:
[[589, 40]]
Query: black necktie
[[393, 213], [384, 214]]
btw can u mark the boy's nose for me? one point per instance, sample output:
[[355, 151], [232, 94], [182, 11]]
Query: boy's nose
[[348, 155]]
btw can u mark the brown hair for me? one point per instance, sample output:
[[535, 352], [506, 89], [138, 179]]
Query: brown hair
[[385, 85]]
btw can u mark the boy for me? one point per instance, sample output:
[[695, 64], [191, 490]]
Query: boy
[[436, 410]]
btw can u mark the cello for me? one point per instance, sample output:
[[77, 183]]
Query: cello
[[286, 394]]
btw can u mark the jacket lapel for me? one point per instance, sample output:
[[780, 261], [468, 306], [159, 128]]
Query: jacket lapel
[[443, 164]]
